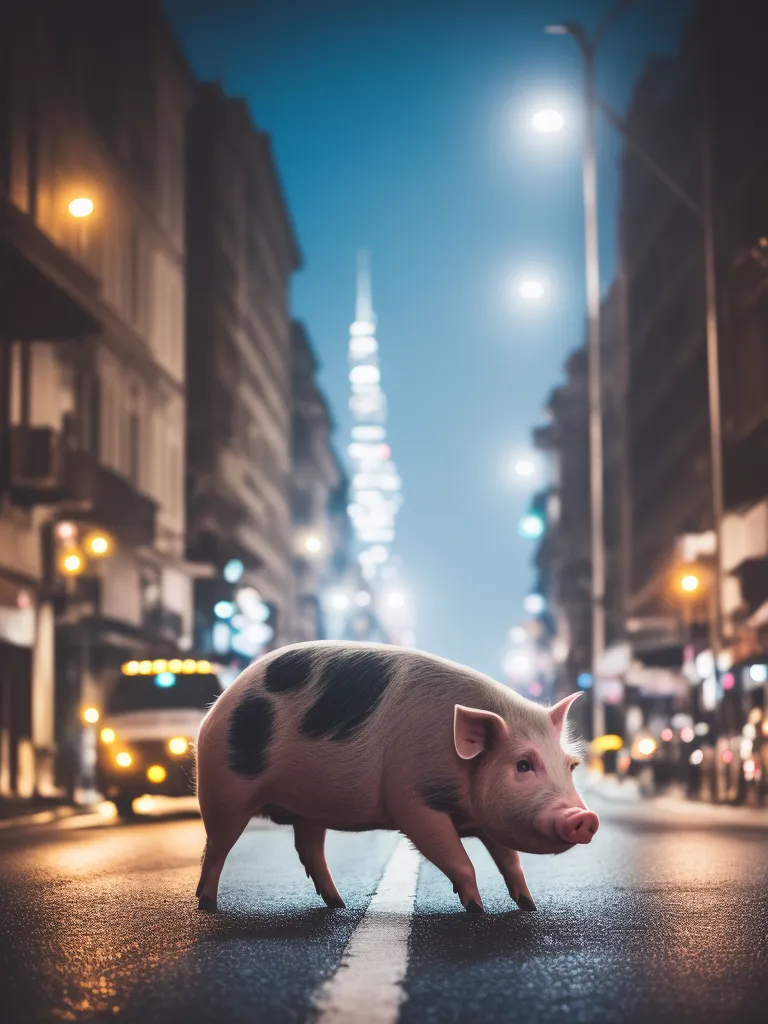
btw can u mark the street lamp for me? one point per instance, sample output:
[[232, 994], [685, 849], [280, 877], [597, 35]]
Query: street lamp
[[588, 49], [548, 121], [81, 207], [524, 468], [690, 583], [531, 289]]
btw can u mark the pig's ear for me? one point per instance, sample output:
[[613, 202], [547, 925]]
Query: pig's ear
[[558, 712], [475, 731]]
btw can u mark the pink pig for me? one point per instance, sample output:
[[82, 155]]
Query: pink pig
[[354, 737]]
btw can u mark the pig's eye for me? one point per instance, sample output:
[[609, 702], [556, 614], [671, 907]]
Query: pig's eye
[[524, 766]]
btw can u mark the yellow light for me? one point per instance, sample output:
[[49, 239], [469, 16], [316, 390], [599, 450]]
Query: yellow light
[[91, 715], [156, 773], [81, 207], [159, 665], [124, 759], [204, 666], [131, 668], [97, 544], [178, 745], [690, 583], [175, 665], [145, 667], [600, 744], [72, 563], [189, 666], [107, 735], [764, 728], [646, 746]]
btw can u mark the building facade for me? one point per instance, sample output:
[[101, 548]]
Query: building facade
[[92, 376], [321, 527], [241, 254]]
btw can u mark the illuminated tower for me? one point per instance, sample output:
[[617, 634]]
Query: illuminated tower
[[376, 491]]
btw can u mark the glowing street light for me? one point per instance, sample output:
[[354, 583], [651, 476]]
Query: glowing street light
[[548, 121], [313, 545], [531, 289], [80, 207], [72, 563], [524, 468], [534, 604], [690, 583], [98, 544]]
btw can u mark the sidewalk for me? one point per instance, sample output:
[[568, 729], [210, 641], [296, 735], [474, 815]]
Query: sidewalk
[[626, 794], [15, 811]]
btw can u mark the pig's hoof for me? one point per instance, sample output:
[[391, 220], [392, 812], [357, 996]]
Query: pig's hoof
[[525, 903], [206, 903], [473, 907], [334, 902]]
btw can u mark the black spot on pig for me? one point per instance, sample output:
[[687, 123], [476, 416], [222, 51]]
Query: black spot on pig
[[352, 684], [440, 795], [250, 732], [289, 671]]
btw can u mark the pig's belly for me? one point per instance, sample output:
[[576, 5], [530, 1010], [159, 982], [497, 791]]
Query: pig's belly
[[330, 795], [283, 816]]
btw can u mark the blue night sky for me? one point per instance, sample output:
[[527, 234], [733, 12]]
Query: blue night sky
[[400, 127]]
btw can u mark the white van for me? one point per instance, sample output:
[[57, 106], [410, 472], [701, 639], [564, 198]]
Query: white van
[[148, 725]]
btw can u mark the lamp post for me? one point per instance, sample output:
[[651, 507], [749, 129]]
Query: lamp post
[[588, 48]]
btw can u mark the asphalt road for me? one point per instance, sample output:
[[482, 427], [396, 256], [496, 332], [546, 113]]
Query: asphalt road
[[660, 919]]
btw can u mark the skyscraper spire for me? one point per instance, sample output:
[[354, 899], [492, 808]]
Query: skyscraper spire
[[375, 490], [375, 483], [364, 305]]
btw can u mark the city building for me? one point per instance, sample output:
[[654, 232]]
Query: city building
[[92, 394], [321, 527], [669, 443], [241, 253]]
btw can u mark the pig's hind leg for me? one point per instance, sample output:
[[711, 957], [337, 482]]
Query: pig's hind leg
[[223, 826], [435, 836], [508, 863], [310, 846]]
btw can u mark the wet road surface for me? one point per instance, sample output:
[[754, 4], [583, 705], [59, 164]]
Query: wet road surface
[[661, 919]]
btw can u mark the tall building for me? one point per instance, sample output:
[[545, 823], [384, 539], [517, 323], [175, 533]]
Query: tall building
[[242, 252], [376, 488], [92, 385], [321, 554]]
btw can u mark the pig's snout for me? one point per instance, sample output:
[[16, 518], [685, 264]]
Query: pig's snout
[[577, 826]]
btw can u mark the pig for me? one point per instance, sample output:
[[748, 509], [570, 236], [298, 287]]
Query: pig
[[358, 736]]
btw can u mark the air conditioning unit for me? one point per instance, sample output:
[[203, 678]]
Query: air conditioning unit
[[35, 459]]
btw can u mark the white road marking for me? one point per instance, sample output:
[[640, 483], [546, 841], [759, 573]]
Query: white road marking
[[367, 985]]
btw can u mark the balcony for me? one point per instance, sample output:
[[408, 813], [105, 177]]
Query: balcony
[[46, 293], [41, 471]]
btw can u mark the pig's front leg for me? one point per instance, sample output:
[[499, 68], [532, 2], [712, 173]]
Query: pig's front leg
[[508, 863], [434, 835], [310, 846]]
